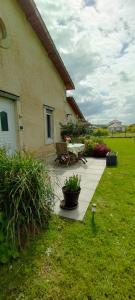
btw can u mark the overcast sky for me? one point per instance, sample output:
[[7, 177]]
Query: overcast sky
[[96, 40]]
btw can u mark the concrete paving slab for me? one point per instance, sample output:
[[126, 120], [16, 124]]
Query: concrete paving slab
[[76, 214], [90, 176]]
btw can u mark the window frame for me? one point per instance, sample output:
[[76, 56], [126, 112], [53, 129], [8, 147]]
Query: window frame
[[4, 119], [49, 111]]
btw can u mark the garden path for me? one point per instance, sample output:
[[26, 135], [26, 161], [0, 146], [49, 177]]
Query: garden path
[[90, 176]]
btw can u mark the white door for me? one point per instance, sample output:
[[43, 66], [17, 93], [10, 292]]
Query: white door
[[7, 125]]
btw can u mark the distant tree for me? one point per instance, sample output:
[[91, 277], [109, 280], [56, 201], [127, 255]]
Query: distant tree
[[131, 128]]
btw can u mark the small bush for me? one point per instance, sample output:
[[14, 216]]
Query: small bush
[[89, 142], [80, 139], [100, 132], [97, 140], [100, 150], [89, 149], [26, 196], [75, 129], [91, 139], [131, 128]]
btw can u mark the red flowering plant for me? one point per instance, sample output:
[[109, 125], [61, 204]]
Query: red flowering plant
[[67, 138], [100, 150]]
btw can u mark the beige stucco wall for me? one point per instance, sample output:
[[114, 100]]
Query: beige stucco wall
[[26, 70], [68, 110]]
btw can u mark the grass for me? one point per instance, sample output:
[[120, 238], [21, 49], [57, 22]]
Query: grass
[[84, 261], [122, 134]]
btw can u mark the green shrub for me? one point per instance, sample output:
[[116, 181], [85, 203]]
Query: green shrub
[[75, 130], [131, 128], [81, 139], [90, 142], [91, 139], [100, 132], [97, 140], [26, 196], [89, 149], [74, 139]]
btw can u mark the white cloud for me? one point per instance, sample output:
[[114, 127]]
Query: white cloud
[[96, 40]]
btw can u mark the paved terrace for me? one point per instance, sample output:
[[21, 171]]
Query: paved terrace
[[90, 172]]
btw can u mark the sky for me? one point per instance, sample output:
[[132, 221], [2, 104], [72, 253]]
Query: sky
[[96, 41]]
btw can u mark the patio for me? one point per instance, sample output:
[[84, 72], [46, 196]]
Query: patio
[[90, 177]]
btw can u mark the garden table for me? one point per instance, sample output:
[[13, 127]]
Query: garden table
[[75, 148]]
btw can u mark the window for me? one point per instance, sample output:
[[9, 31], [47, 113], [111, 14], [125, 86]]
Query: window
[[68, 118], [48, 112], [4, 121]]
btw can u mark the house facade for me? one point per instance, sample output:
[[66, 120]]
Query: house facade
[[116, 126], [33, 81]]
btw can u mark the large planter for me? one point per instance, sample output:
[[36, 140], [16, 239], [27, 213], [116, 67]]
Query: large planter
[[70, 199], [111, 159]]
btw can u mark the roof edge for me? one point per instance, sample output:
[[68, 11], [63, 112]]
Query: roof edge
[[71, 101]]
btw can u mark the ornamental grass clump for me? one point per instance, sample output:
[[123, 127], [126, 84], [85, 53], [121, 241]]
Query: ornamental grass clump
[[26, 196], [72, 184]]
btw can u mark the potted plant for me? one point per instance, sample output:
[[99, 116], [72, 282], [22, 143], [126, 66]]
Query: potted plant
[[67, 139], [71, 191], [111, 158]]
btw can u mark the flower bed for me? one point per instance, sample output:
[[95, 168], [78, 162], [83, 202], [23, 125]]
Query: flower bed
[[94, 146]]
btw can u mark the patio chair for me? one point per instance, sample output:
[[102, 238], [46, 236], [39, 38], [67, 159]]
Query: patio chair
[[63, 156], [81, 156]]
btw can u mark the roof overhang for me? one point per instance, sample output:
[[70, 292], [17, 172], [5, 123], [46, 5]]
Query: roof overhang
[[71, 101], [38, 25]]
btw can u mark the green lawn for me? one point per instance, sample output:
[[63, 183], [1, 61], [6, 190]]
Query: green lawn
[[123, 134], [74, 260]]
